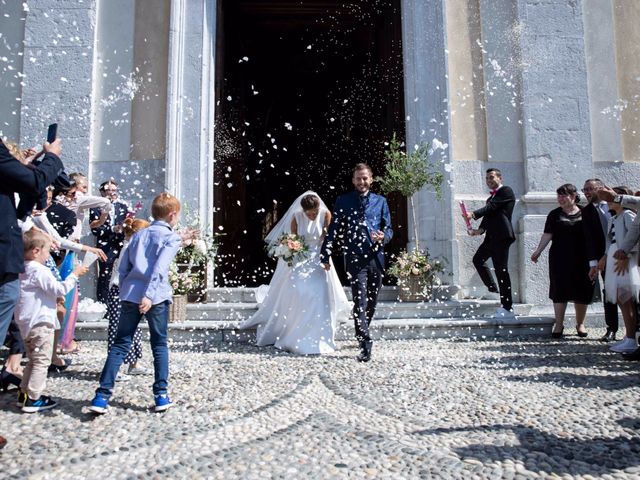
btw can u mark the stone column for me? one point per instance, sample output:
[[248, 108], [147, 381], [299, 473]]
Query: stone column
[[191, 109], [427, 118], [555, 105], [191, 105], [58, 76]]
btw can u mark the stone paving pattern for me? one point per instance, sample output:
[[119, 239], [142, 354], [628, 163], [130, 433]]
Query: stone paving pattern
[[534, 408]]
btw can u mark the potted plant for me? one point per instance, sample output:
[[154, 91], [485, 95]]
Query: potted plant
[[407, 173]]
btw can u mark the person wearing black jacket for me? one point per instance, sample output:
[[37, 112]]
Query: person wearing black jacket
[[595, 218], [109, 236], [498, 237], [17, 178]]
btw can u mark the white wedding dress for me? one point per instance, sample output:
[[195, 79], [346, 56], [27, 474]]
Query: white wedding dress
[[304, 303]]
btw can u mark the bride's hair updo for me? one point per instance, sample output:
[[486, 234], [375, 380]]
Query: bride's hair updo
[[309, 202]]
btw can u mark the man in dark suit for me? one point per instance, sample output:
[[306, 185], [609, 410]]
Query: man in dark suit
[[18, 178], [498, 237], [595, 218], [109, 235], [361, 226]]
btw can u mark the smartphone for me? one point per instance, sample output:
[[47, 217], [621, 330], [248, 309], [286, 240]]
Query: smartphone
[[52, 132]]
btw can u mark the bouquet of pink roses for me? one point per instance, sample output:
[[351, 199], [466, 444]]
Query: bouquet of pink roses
[[290, 247]]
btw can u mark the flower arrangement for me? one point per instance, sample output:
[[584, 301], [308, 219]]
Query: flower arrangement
[[417, 266], [198, 246], [188, 272], [290, 247], [181, 282]]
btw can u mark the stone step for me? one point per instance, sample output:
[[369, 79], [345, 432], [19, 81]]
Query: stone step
[[247, 295], [220, 332], [466, 309]]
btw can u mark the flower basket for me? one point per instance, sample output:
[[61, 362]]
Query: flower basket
[[417, 275], [197, 274], [178, 309], [414, 289]]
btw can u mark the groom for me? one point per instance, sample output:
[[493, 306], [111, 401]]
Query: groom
[[361, 225]]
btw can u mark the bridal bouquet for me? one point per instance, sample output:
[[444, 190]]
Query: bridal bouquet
[[291, 248]]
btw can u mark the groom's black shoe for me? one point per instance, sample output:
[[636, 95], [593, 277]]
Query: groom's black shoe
[[365, 352]]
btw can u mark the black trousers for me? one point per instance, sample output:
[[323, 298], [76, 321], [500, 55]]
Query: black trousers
[[498, 252], [365, 285], [610, 311]]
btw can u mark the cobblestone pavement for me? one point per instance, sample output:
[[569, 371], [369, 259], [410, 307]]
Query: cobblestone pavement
[[421, 409]]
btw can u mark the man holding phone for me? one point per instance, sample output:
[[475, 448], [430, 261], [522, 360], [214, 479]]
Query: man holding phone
[[18, 178]]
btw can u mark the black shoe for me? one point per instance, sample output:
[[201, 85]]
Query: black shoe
[[7, 379], [608, 337], [557, 334], [53, 368], [633, 356], [582, 334], [365, 352], [39, 405]]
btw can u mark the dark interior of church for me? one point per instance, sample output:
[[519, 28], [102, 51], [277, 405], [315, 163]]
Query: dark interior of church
[[305, 89]]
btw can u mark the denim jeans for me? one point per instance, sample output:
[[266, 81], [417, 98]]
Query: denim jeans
[[157, 318], [9, 294]]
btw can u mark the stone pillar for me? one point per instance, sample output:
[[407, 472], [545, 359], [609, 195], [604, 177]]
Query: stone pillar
[[191, 109], [191, 105], [58, 76], [12, 26], [427, 110], [555, 104]]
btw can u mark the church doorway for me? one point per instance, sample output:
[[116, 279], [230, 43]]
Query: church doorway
[[306, 89]]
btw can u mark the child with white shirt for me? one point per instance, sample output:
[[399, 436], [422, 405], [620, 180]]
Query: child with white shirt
[[36, 314]]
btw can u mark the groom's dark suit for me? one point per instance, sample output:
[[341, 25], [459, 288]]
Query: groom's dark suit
[[355, 216], [498, 237]]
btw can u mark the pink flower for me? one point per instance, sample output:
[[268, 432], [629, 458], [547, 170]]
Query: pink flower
[[294, 245]]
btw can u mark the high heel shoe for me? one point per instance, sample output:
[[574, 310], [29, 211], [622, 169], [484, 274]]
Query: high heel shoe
[[7, 379], [581, 334], [557, 334]]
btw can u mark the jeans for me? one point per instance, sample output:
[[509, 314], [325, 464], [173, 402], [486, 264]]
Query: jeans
[[9, 294], [157, 318]]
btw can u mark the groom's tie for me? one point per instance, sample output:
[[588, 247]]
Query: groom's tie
[[364, 202]]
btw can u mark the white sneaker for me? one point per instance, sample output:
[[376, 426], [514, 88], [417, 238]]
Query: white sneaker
[[503, 313], [628, 345], [122, 377]]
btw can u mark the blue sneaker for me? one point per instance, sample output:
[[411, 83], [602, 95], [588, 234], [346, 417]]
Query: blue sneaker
[[99, 404], [163, 402]]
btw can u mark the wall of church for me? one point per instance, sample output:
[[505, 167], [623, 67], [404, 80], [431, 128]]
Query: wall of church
[[545, 90], [130, 96], [627, 40], [12, 22]]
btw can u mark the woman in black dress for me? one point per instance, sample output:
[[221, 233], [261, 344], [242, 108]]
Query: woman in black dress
[[568, 263]]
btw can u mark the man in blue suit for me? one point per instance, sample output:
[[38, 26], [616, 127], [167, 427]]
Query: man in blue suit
[[18, 178], [361, 226], [109, 235]]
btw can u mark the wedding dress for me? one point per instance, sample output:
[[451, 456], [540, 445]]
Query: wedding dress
[[304, 303]]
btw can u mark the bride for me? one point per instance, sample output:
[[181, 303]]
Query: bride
[[303, 303]]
